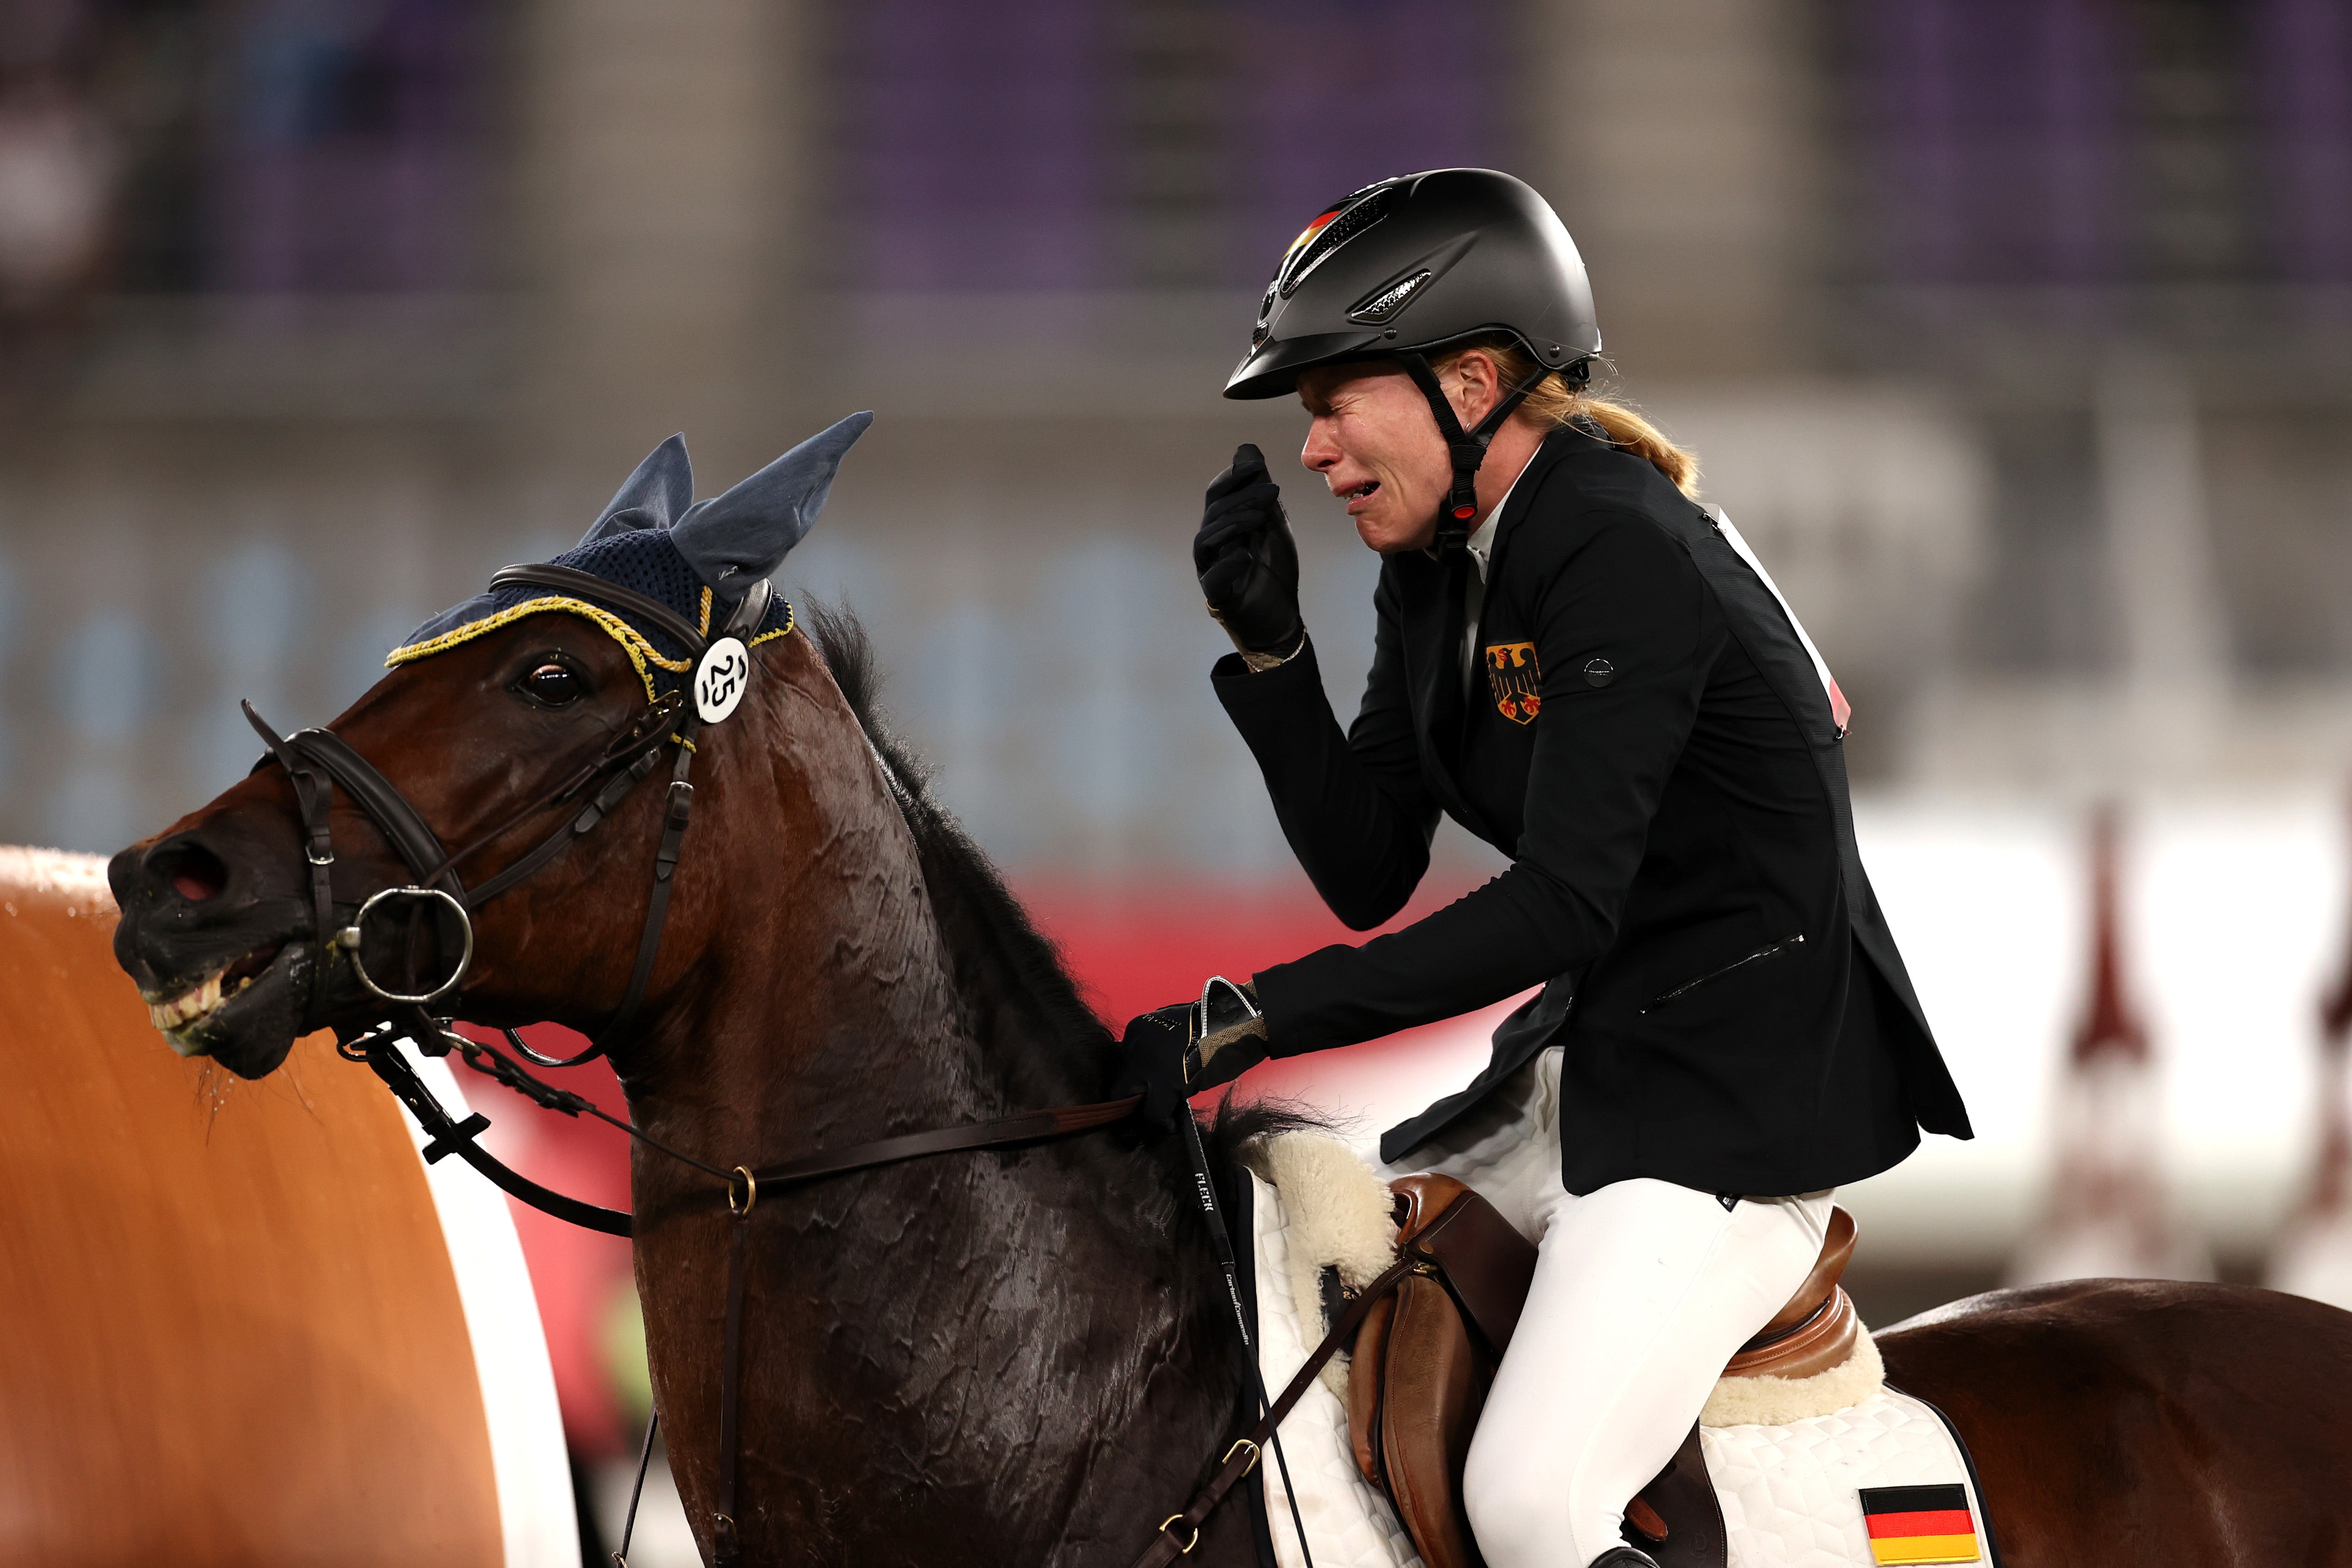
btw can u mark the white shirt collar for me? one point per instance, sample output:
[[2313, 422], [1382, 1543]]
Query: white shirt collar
[[1482, 538]]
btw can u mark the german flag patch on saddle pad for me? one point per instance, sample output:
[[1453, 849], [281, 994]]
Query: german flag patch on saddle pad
[[1920, 1524]]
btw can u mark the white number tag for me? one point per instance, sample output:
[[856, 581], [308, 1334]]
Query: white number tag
[[721, 678]]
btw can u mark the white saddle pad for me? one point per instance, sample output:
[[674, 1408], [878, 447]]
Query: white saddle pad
[[1349, 1524], [1793, 1495]]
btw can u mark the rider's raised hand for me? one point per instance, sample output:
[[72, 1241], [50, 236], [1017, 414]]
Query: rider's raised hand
[[1247, 561]]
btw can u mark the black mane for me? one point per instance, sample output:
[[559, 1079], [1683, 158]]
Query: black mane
[[959, 873], [954, 866]]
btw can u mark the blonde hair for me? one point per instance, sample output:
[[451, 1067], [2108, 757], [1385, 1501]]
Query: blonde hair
[[1555, 402]]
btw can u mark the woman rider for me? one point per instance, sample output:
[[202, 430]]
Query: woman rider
[[1592, 674]]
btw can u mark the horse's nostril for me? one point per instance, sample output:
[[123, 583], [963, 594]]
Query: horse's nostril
[[195, 874]]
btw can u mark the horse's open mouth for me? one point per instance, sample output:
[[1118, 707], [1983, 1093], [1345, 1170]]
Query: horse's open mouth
[[245, 1015], [202, 1000]]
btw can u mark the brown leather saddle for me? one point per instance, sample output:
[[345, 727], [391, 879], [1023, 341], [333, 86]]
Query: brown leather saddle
[[1425, 1357]]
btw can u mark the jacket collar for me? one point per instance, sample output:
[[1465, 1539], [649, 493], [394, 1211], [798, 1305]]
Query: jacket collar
[[1561, 446], [1433, 626]]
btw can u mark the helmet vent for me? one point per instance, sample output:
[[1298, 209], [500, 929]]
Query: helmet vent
[[1329, 232], [1388, 301]]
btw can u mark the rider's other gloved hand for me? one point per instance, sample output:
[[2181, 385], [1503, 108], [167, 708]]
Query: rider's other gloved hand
[[1247, 561], [1153, 1054], [1173, 1053]]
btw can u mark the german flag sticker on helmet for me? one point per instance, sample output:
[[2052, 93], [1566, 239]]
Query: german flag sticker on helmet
[[1337, 223], [1306, 237]]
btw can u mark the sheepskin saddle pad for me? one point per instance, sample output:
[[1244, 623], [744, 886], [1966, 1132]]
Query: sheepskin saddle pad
[[1803, 1458]]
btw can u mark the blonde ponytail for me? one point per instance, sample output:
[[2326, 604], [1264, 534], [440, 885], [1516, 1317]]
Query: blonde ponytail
[[1555, 403]]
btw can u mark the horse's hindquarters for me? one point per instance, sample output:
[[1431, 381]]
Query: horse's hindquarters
[[2119, 1423]]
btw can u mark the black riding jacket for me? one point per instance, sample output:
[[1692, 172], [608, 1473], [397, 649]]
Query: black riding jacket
[[1647, 738]]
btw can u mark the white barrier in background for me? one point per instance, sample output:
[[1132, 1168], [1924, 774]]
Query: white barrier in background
[[528, 1454]]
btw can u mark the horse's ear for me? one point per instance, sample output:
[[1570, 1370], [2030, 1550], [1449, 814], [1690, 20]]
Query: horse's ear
[[735, 539], [656, 496]]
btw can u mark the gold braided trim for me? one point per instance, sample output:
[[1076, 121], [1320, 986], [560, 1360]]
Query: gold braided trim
[[641, 652], [791, 621]]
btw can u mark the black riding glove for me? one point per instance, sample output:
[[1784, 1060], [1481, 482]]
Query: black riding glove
[[1247, 561], [1153, 1051], [1173, 1053]]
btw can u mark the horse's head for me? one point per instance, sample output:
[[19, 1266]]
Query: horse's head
[[553, 712]]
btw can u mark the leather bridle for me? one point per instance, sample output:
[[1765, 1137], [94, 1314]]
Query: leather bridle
[[316, 759]]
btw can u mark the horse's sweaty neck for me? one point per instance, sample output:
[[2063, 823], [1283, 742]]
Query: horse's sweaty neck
[[986, 1338]]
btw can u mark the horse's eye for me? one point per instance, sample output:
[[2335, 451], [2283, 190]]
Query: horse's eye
[[554, 684]]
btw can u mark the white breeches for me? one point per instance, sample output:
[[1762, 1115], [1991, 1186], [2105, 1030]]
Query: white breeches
[[1642, 1290]]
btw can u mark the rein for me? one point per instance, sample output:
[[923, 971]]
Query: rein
[[378, 1048]]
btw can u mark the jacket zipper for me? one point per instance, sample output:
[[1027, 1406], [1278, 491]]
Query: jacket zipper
[[1712, 975]]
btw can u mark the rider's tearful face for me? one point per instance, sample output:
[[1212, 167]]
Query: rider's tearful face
[[1377, 447]]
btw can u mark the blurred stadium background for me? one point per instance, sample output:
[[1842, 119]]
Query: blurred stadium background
[[2013, 333]]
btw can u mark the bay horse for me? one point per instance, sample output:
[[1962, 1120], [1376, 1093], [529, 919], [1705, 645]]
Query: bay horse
[[1022, 1356]]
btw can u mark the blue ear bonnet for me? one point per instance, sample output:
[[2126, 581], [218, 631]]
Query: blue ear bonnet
[[698, 559], [645, 560]]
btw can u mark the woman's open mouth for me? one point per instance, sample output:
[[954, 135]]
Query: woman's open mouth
[[1357, 495]]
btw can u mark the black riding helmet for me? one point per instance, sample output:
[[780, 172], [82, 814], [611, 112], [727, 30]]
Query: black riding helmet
[[1416, 264]]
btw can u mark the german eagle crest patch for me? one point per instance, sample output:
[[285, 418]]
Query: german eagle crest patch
[[1516, 679]]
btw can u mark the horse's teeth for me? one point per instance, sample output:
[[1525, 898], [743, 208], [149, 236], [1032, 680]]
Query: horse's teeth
[[189, 1005]]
